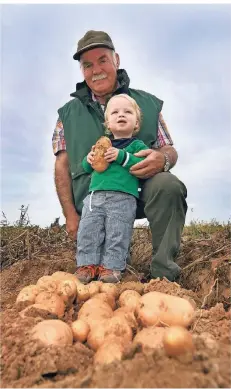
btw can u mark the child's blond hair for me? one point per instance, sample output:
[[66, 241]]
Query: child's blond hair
[[136, 108]]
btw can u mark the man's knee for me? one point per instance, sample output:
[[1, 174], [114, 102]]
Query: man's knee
[[164, 183]]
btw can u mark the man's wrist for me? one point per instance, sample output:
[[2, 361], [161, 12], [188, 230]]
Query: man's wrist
[[70, 213], [167, 161]]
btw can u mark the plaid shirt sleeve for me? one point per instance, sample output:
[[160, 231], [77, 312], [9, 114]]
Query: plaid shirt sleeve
[[58, 141], [163, 136]]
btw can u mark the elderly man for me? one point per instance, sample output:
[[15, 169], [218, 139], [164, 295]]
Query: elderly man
[[80, 124]]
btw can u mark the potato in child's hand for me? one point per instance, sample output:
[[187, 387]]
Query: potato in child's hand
[[102, 145]]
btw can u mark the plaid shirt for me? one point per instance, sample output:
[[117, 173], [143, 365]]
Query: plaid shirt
[[163, 136]]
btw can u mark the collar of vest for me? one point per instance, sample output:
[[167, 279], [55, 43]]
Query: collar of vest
[[83, 92]]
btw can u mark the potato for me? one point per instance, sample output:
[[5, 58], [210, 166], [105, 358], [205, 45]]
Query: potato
[[93, 321], [28, 294], [107, 298], [177, 340], [62, 275], [67, 289], [96, 335], [47, 284], [131, 285], [94, 311], [110, 351], [102, 145], [93, 288], [109, 289], [150, 337], [95, 307], [128, 316], [52, 332], [116, 327], [51, 302], [156, 308], [129, 299], [82, 292], [119, 327], [80, 330]]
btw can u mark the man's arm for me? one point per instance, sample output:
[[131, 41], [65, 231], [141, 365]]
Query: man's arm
[[155, 159], [63, 185]]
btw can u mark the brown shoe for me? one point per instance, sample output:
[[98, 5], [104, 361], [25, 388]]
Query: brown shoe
[[87, 273], [107, 275]]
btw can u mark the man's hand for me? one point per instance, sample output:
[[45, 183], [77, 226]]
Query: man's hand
[[72, 225], [111, 154], [151, 165]]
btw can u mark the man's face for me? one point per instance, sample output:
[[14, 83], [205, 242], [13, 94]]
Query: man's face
[[99, 68]]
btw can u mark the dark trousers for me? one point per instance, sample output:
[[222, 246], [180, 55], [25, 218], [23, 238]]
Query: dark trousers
[[163, 203]]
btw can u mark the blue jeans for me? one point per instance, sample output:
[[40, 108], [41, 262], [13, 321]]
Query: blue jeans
[[105, 229]]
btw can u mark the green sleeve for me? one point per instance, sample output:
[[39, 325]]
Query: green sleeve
[[86, 166], [127, 159]]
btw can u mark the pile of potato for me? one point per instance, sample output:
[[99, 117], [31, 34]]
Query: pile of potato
[[108, 321]]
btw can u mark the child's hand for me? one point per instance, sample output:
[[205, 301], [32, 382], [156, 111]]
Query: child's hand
[[90, 156], [111, 154]]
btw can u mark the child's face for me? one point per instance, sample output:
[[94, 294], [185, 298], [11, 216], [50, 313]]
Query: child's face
[[121, 117]]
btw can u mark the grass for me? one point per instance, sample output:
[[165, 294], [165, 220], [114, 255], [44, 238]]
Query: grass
[[202, 228]]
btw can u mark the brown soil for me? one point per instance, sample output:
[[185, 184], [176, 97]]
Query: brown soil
[[205, 281]]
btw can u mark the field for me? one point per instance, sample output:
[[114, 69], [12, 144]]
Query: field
[[28, 253]]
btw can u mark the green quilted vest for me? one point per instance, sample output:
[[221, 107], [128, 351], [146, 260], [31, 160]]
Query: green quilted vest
[[83, 120]]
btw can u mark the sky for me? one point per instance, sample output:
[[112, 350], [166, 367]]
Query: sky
[[179, 52]]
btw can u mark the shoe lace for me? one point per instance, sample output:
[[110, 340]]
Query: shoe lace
[[88, 268], [103, 271]]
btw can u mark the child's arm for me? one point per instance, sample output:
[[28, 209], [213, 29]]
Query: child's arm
[[87, 166], [87, 161], [127, 160]]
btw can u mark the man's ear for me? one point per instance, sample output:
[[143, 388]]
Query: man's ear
[[117, 61]]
